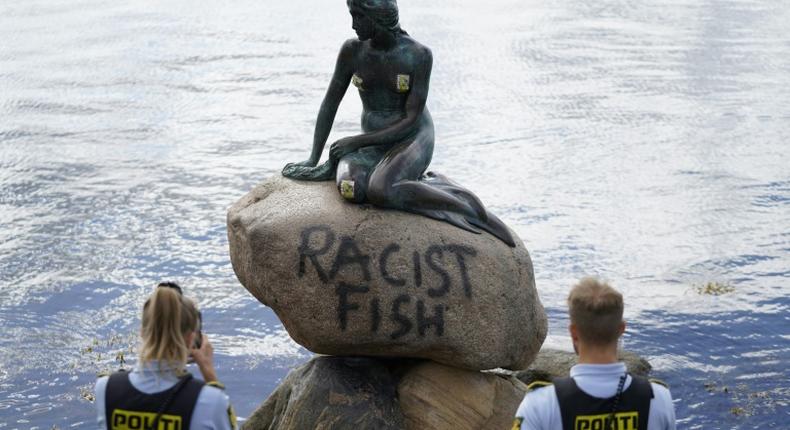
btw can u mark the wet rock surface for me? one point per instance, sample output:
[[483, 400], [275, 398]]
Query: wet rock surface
[[332, 393], [347, 393], [553, 363], [434, 396]]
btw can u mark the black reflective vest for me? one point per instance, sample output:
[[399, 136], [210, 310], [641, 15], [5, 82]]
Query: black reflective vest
[[581, 411], [127, 408]]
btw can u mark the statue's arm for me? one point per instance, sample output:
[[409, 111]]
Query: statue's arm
[[415, 104], [334, 95]]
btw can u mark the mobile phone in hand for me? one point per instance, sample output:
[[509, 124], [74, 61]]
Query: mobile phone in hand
[[199, 337]]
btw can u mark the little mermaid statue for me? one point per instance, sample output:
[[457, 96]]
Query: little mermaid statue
[[386, 164]]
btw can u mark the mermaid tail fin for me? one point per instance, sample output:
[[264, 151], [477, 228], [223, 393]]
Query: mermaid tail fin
[[484, 220], [496, 227], [444, 183], [492, 225], [453, 218]]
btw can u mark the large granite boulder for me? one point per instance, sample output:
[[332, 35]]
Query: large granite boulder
[[350, 279], [362, 393]]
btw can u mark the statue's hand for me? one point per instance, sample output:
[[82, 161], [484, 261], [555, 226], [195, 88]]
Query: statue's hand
[[341, 148]]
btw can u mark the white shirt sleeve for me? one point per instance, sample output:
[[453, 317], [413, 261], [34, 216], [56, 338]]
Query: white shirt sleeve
[[99, 389], [540, 410], [662, 410], [212, 410]]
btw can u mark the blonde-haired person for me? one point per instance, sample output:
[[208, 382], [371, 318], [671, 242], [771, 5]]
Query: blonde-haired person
[[599, 394], [159, 393]]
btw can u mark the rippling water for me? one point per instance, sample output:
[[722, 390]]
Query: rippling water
[[643, 142]]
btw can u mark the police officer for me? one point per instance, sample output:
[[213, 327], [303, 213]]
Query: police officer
[[159, 393], [599, 394]]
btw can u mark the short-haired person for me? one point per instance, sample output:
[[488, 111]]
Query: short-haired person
[[599, 394], [159, 393]]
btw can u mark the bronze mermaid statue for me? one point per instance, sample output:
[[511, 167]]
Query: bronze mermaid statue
[[386, 164]]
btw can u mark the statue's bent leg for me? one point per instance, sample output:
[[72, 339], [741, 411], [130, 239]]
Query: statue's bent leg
[[353, 171], [395, 183]]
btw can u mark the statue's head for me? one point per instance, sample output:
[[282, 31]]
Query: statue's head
[[370, 16]]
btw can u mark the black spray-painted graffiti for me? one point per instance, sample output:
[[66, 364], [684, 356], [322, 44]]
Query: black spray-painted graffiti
[[406, 312]]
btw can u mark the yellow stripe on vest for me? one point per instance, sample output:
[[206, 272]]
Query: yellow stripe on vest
[[538, 384], [659, 382], [216, 384], [622, 421], [132, 420]]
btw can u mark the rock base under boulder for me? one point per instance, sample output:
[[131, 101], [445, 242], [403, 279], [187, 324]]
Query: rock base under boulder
[[333, 393], [347, 393], [553, 363], [433, 396], [358, 392]]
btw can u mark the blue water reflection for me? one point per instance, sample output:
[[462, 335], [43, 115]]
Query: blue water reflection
[[732, 361], [642, 142]]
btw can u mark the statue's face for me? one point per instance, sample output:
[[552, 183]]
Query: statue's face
[[362, 25]]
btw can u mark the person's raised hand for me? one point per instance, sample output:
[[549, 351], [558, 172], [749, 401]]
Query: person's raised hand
[[204, 358]]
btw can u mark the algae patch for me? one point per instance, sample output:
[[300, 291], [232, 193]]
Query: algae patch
[[104, 356], [747, 403], [714, 289]]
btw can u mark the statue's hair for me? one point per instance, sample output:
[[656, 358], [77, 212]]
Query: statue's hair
[[382, 12]]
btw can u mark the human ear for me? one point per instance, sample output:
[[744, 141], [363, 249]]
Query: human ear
[[574, 332]]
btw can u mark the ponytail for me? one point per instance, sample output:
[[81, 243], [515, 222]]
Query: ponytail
[[167, 318]]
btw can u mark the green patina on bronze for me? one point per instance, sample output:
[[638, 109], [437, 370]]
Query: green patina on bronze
[[386, 164]]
